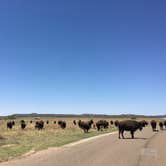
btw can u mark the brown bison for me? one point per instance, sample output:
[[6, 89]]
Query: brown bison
[[10, 124], [62, 124], [116, 123], [129, 125], [74, 122], [111, 122], [144, 123], [165, 124], [86, 126], [102, 124], [161, 124], [39, 125], [153, 125], [23, 125]]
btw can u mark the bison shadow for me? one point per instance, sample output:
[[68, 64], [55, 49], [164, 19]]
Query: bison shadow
[[156, 130], [135, 138]]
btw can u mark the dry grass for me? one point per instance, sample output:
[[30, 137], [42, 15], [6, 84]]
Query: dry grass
[[15, 142]]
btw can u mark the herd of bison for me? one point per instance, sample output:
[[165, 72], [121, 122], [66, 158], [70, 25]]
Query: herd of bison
[[125, 125]]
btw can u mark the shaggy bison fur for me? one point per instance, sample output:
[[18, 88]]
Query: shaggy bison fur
[[129, 125], [161, 124], [116, 123], [111, 122], [23, 125], [74, 122], [86, 126], [39, 125], [144, 123], [10, 124], [153, 125], [62, 124], [102, 124], [165, 124]]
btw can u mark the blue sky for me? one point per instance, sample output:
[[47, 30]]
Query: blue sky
[[83, 56]]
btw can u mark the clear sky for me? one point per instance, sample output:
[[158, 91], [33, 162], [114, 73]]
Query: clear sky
[[83, 56]]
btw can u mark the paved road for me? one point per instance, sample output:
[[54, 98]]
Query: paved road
[[147, 149]]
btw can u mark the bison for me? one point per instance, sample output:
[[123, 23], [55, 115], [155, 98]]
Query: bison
[[74, 122], [102, 124], [62, 124], [10, 125], [23, 125], [144, 123], [13, 123], [161, 124], [86, 126], [111, 122], [22, 121], [39, 125], [153, 125], [116, 123], [129, 125], [165, 124]]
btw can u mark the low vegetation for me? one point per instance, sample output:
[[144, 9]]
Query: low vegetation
[[15, 142]]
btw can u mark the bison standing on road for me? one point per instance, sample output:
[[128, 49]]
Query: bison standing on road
[[161, 124], [129, 125], [144, 123], [153, 125], [165, 124], [86, 126]]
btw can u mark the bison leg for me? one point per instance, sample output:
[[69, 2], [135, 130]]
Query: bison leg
[[132, 134], [119, 133], [122, 134]]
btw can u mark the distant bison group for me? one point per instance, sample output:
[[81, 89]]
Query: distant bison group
[[100, 125]]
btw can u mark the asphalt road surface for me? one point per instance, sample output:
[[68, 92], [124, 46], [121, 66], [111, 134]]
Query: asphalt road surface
[[148, 149]]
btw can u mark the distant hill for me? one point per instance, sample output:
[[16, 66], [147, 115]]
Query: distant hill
[[84, 115]]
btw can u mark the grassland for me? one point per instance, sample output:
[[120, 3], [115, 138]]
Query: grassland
[[16, 142]]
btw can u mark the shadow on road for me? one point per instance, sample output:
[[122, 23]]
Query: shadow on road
[[135, 138]]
